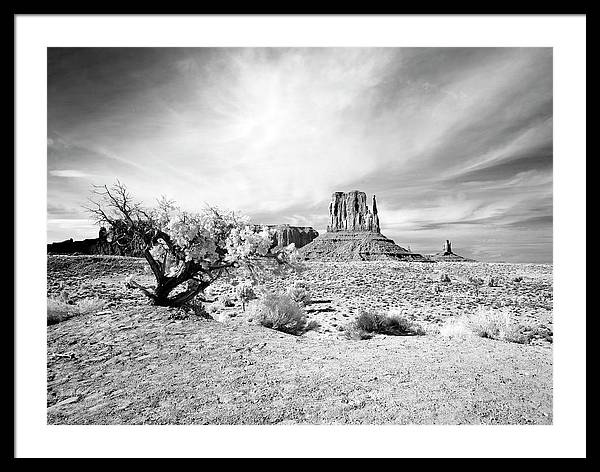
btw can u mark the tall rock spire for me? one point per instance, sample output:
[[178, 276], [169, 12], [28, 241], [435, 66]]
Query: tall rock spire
[[376, 228]]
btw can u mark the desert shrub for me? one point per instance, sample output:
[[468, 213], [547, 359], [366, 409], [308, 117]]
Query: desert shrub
[[300, 293], [391, 323], [354, 332], [488, 323], [492, 282], [476, 282], [456, 329], [89, 305], [62, 308], [279, 312], [197, 308], [444, 278], [244, 293]]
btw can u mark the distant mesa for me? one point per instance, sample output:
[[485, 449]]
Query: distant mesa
[[353, 233], [446, 255], [283, 235], [103, 244]]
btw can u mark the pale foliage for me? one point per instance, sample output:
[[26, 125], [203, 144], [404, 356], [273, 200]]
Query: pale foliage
[[192, 248], [279, 312], [486, 323]]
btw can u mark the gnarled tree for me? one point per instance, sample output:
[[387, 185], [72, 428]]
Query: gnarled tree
[[185, 251]]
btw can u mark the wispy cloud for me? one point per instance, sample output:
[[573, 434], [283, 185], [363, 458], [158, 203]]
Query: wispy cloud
[[69, 173]]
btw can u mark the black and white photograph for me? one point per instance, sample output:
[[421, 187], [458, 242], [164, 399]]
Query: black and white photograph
[[300, 235]]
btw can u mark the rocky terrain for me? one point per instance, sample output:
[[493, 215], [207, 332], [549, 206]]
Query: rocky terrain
[[133, 363], [356, 246]]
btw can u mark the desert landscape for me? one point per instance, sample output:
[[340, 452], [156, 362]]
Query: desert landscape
[[257, 236], [127, 362]]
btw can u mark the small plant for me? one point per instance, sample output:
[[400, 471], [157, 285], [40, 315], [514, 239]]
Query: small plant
[[63, 307], [444, 278], [300, 293], [518, 279], [492, 282], [244, 293], [280, 312], [476, 282], [197, 308]]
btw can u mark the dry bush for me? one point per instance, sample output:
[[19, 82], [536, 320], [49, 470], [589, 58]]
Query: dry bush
[[488, 323], [197, 308], [392, 323], [62, 308], [300, 293], [352, 331], [279, 312], [492, 282], [444, 278], [495, 324]]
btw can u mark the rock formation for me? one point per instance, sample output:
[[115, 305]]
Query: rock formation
[[349, 212], [356, 246], [446, 255], [284, 235], [354, 233]]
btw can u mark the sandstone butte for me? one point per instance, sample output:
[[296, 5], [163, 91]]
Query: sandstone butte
[[354, 233]]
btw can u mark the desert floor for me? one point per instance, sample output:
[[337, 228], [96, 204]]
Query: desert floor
[[132, 363]]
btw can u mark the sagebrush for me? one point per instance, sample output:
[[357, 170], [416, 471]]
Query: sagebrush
[[492, 324], [279, 312], [392, 323]]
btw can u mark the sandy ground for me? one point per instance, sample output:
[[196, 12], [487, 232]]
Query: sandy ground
[[132, 364]]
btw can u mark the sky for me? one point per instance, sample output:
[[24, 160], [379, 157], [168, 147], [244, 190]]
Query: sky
[[456, 143]]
